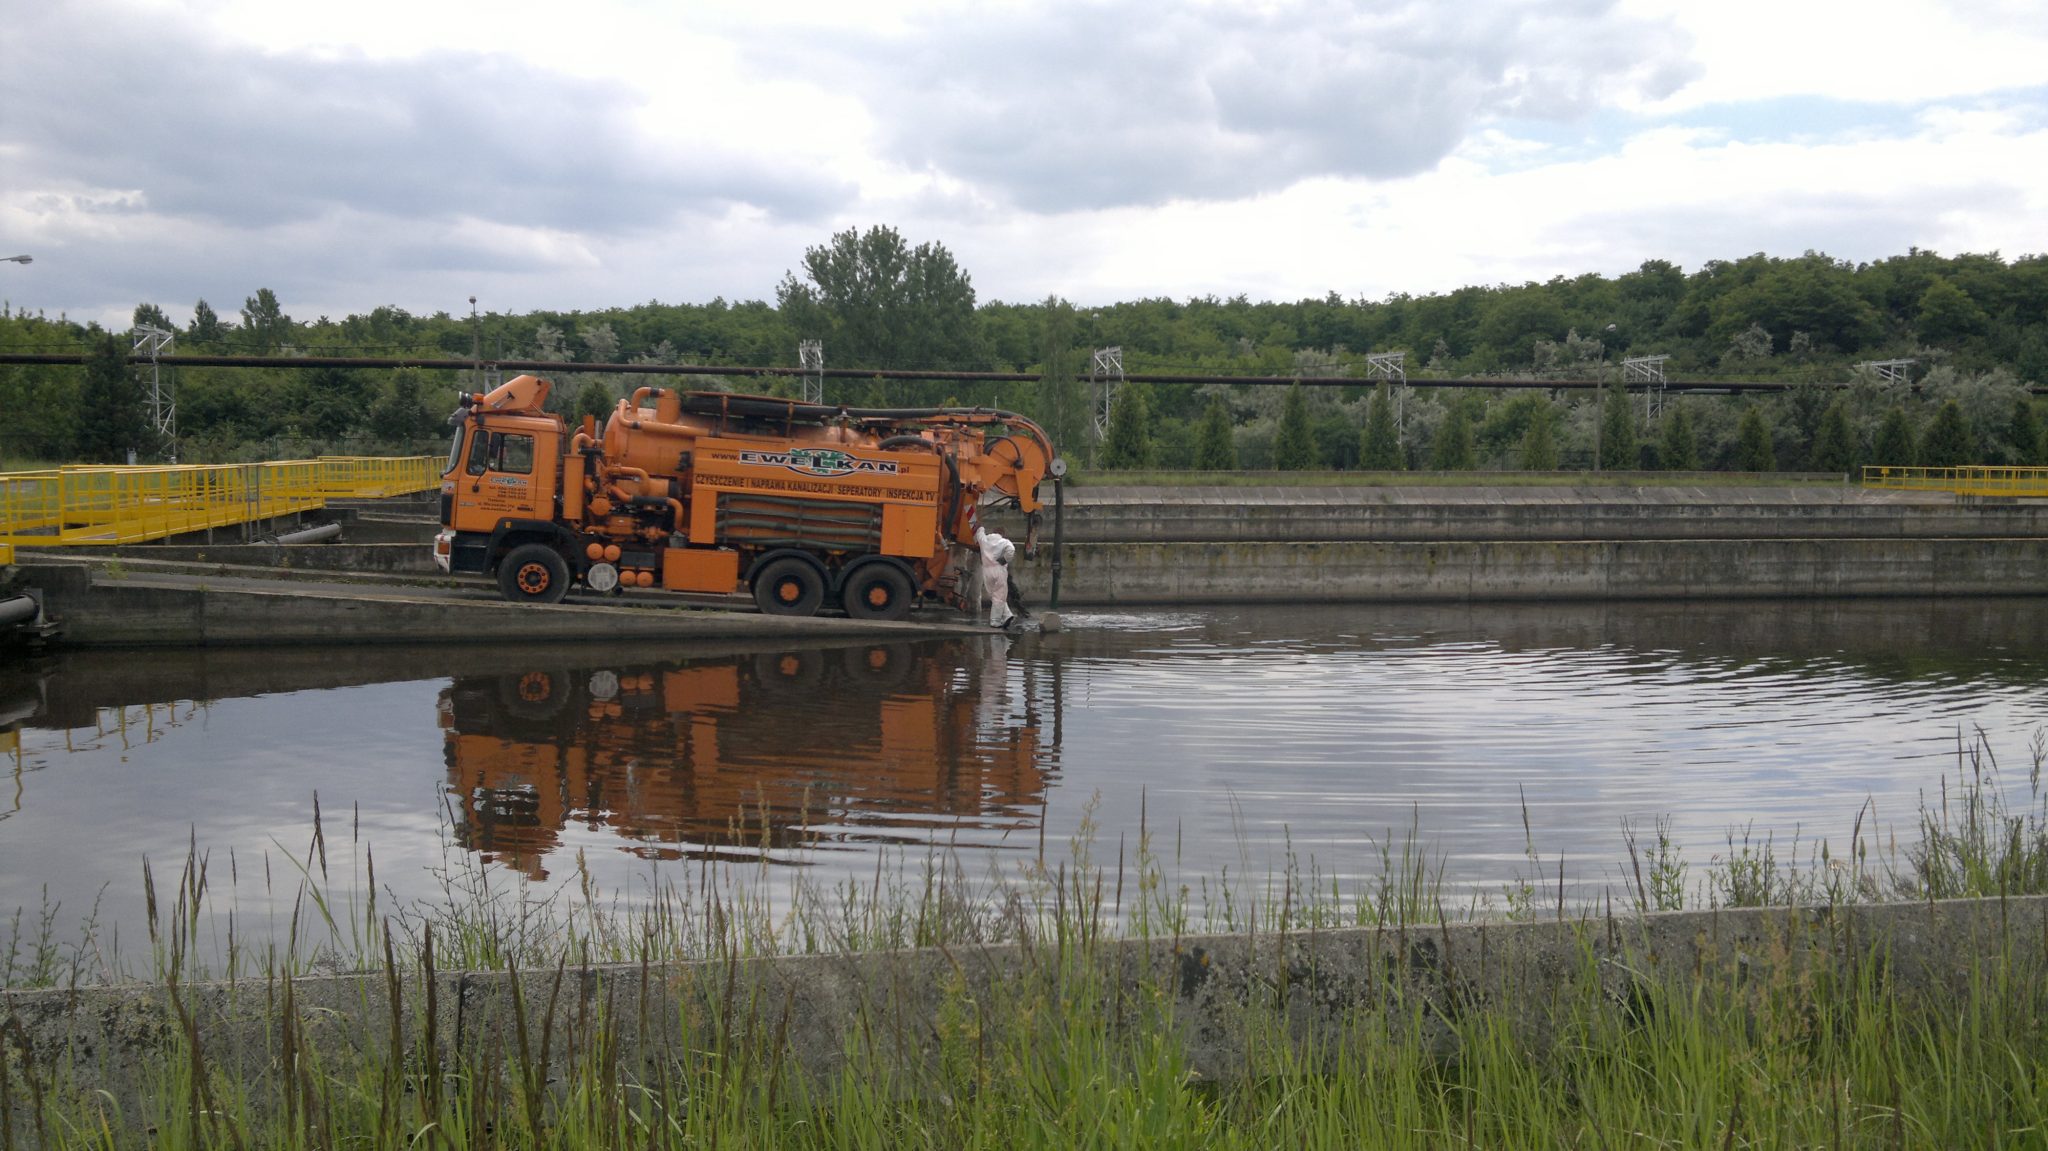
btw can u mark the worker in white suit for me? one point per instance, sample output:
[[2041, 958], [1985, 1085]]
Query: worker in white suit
[[996, 553]]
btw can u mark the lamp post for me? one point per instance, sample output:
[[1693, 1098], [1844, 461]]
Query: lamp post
[[17, 259]]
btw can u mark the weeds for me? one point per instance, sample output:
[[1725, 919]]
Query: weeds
[[1810, 1043]]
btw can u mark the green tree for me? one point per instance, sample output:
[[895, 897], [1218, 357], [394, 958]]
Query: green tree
[[1894, 446], [1680, 449], [594, 399], [1128, 443], [600, 344], [151, 316], [329, 402], [1834, 444], [1948, 316], [112, 412], [205, 327], [264, 321], [2025, 434], [1618, 431], [1451, 449], [1215, 451], [1062, 402], [400, 416], [1379, 445], [1516, 319], [1294, 448], [1753, 451], [1539, 440], [876, 302], [1948, 443]]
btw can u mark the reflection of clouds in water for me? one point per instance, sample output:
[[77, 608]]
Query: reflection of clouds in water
[[1716, 715]]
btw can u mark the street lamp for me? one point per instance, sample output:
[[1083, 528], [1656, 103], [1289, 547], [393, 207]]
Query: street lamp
[[17, 259]]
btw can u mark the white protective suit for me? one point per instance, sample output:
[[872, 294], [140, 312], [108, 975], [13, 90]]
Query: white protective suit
[[995, 574]]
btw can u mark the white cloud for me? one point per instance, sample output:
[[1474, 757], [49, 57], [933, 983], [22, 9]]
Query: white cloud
[[1903, 51], [537, 156]]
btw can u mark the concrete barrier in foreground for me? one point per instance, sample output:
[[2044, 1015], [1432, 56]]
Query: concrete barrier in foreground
[[1214, 992]]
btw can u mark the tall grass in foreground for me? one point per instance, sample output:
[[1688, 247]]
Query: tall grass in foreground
[[1063, 1052], [1843, 1060]]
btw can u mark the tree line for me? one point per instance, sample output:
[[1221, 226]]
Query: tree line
[[1976, 326]]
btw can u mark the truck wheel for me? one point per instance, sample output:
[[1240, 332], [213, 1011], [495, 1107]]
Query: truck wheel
[[790, 674], [533, 573], [880, 668], [877, 591], [789, 586]]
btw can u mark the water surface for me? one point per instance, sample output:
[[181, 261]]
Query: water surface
[[1241, 734]]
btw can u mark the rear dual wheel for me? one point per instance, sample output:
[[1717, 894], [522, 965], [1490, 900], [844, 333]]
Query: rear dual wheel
[[877, 591]]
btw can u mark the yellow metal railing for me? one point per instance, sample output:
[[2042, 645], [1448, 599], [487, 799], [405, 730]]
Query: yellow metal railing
[[117, 505], [374, 477], [1967, 481]]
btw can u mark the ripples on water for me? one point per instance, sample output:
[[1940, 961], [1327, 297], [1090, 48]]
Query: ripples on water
[[1241, 733]]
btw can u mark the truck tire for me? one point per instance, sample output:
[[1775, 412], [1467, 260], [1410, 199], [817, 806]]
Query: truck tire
[[877, 591], [879, 668], [533, 573], [789, 586], [790, 675]]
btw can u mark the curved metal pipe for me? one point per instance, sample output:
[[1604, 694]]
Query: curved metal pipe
[[20, 609]]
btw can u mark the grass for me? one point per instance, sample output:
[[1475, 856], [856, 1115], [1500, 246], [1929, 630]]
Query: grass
[[1572, 479], [1802, 1044]]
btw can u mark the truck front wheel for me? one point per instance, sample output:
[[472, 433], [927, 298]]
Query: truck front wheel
[[789, 586], [533, 573]]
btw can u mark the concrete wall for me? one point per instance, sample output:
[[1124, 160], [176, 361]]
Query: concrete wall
[[137, 611], [1196, 515], [1215, 993], [1097, 574], [403, 558]]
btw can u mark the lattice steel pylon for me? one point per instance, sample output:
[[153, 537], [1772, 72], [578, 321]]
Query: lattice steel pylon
[[1890, 371], [1107, 376], [1649, 372], [163, 401], [1392, 367], [811, 355]]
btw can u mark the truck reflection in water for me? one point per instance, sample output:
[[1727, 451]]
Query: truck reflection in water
[[751, 756]]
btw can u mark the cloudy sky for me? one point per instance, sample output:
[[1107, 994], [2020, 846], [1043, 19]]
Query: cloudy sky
[[609, 152]]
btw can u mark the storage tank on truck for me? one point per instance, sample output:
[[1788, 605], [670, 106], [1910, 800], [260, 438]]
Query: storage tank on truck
[[803, 505]]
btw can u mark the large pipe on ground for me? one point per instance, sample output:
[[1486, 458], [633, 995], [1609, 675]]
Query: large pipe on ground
[[18, 609], [312, 535]]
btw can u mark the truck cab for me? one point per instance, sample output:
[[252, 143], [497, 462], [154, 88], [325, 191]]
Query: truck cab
[[499, 496]]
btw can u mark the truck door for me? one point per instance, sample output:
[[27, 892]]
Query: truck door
[[505, 477]]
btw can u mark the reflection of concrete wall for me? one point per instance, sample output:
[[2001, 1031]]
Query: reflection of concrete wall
[[1538, 570], [1223, 992]]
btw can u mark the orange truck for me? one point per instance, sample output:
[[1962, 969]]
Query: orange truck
[[802, 505]]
